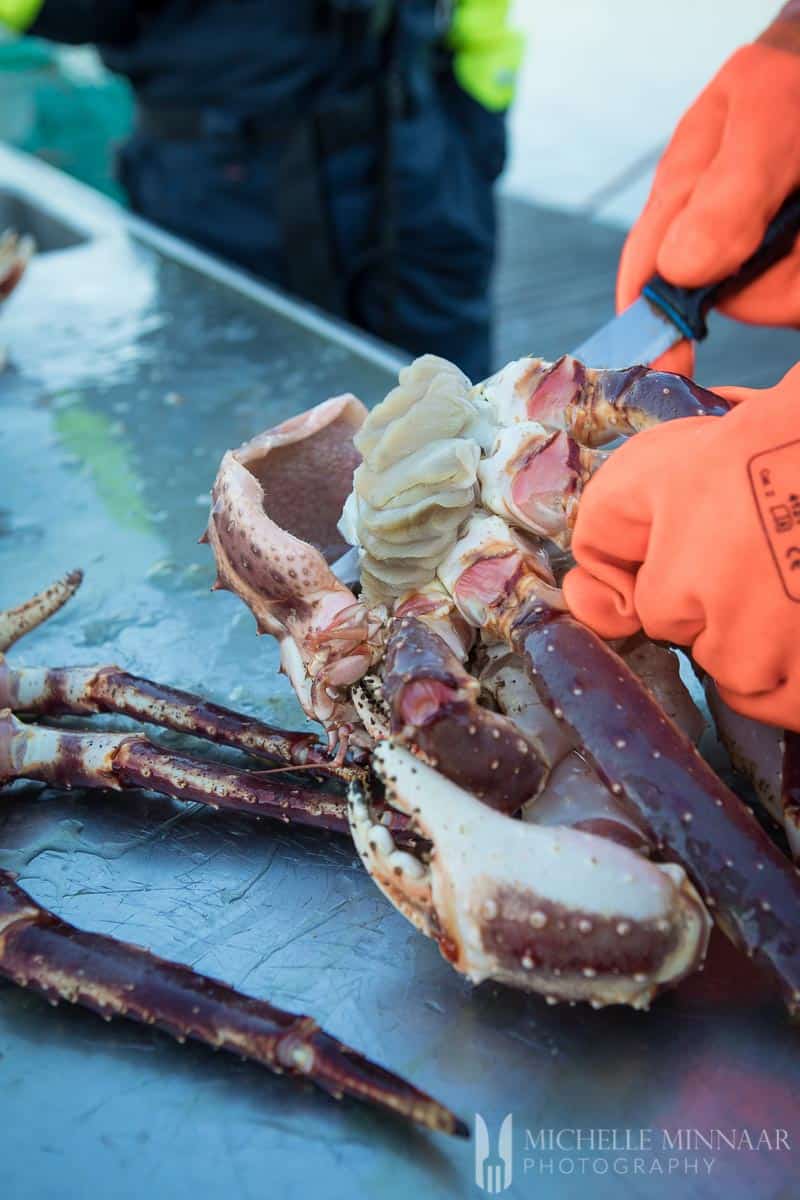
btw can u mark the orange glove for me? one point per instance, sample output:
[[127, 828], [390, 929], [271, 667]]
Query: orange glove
[[691, 531], [732, 161]]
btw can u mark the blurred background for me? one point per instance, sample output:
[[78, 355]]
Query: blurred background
[[602, 87], [600, 90]]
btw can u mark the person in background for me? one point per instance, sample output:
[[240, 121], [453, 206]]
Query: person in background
[[343, 149], [691, 531]]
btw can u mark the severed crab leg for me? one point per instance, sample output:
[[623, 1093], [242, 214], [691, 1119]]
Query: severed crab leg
[[594, 406], [434, 708], [115, 979], [112, 760], [88, 690]]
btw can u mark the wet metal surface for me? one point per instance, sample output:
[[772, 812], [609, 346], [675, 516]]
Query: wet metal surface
[[130, 374]]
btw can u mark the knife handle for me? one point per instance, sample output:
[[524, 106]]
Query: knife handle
[[688, 307]]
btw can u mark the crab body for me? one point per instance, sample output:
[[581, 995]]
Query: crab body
[[459, 502]]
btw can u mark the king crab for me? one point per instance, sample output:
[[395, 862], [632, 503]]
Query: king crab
[[521, 791]]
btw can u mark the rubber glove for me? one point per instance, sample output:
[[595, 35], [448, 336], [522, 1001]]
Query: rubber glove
[[691, 531], [732, 161]]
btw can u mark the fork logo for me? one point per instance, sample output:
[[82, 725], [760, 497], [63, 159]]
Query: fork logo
[[493, 1169]]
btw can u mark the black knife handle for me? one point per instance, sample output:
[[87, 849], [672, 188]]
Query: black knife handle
[[687, 307]]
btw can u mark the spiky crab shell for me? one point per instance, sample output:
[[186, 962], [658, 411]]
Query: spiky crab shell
[[552, 910], [275, 504]]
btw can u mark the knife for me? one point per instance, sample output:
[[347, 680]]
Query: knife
[[664, 314]]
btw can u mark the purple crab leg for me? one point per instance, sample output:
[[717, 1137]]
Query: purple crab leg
[[597, 406], [84, 690], [790, 789], [434, 708], [16, 622], [115, 979], [64, 758], [751, 888], [88, 690]]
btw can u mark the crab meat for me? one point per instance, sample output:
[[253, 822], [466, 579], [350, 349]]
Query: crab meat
[[416, 483], [551, 910], [535, 479]]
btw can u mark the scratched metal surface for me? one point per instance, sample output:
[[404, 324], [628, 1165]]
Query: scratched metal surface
[[129, 375]]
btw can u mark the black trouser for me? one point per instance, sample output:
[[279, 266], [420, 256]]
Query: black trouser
[[417, 275]]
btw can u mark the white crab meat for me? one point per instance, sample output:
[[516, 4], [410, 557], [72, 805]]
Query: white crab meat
[[417, 481]]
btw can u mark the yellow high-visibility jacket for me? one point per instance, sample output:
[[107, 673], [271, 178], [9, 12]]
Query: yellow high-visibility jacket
[[17, 15], [487, 52]]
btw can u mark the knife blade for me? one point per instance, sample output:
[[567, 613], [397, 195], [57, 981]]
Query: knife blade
[[665, 314]]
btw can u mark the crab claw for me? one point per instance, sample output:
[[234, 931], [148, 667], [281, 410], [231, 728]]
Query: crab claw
[[550, 910], [275, 503]]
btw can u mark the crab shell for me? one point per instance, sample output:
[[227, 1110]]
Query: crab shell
[[275, 504], [546, 909]]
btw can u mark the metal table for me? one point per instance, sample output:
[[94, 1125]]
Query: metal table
[[134, 362]]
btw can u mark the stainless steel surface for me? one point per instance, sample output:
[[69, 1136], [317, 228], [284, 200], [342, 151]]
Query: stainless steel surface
[[134, 365], [637, 335], [20, 212]]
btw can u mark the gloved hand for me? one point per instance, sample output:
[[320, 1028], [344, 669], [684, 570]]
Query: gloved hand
[[691, 531], [732, 161]]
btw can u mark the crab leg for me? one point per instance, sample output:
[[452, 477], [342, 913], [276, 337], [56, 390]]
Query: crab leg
[[16, 622], [434, 709], [768, 757], [88, 690], [594, 406], [115, 979], [750, 886], [110, 760], [636, 749], [790, 790]]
